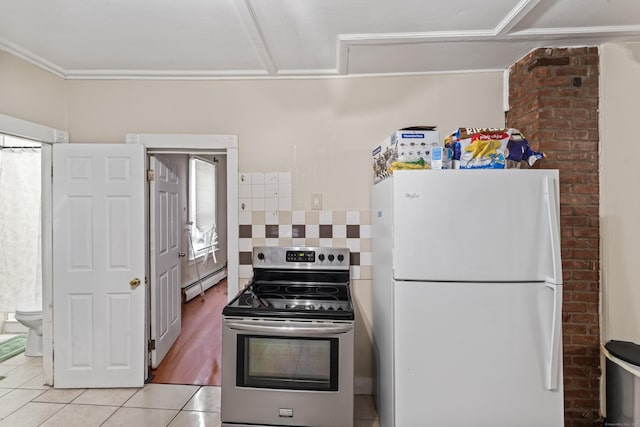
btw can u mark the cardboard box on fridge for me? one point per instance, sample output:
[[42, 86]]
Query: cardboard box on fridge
[[407, 149]]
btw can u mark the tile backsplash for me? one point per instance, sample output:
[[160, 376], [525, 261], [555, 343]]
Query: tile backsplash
[[266, 219]]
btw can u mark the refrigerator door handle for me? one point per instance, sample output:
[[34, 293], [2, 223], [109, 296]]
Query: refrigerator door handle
[[554, 345], [554, 233]]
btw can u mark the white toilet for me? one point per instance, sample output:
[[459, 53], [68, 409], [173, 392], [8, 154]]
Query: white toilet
[[31, 317]]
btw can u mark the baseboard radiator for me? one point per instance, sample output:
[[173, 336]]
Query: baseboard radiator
[[192, 290]]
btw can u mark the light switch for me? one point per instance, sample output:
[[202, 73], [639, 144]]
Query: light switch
[[316, 201]]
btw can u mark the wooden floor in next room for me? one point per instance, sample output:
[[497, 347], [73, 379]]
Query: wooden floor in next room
[[196, 356]]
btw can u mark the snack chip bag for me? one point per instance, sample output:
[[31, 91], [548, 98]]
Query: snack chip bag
[[491, 148], [479, 148]]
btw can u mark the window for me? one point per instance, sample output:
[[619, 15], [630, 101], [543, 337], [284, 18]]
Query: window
[[202, 206]]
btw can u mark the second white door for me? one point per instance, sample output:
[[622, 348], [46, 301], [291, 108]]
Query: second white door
[[165, 257]]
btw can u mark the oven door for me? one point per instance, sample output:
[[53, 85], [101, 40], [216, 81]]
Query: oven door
[[287, 372]]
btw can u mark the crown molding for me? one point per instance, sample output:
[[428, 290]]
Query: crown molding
[[307, 73], [31, 57], [161, 75], [573, 32]]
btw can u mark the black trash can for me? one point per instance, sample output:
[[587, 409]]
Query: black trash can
[[623, 384]]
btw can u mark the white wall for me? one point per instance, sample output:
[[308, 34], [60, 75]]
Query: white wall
[[619, 194], [322, 130], [30, 93]]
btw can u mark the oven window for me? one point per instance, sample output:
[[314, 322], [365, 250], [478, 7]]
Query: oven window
[[285, 362]]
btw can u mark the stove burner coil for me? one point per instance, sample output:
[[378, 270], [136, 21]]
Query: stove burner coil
[[298, 289], [268, 289], [327, 290]]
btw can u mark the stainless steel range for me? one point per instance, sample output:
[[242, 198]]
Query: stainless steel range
[[288, 342]]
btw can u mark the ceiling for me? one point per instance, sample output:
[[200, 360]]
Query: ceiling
[[94, 39]]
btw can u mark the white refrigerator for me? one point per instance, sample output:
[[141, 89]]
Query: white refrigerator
[[467, 298]]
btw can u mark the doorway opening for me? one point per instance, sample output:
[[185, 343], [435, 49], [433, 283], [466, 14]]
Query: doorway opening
[[187, 254], [194, 357], [20, 230]]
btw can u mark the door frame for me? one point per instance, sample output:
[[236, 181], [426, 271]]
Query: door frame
[[48, 136], [193, 144]]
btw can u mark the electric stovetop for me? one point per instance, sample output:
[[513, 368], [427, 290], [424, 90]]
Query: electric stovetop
[[296, 282]]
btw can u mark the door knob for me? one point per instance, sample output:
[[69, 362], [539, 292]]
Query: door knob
[[181, 254], [134, 283]]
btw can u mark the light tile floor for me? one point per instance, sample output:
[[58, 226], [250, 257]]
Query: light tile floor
[[26, 402]]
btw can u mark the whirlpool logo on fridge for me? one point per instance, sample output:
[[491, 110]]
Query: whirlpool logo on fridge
[[412, 196]]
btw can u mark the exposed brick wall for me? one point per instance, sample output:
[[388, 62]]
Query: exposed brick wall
[[553, 97]]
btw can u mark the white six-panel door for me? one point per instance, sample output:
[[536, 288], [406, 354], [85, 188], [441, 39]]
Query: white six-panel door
[[98, 265], [165, 261]]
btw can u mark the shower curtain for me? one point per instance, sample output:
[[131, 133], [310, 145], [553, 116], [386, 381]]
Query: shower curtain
[[20, 230]]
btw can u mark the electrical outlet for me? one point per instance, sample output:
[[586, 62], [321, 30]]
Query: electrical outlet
[[316, 201]]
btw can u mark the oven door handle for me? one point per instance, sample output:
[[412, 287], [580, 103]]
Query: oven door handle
[[292, 328]]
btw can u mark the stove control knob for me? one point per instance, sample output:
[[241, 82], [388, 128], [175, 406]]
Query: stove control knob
[[331, 257], [340, 257], [321, 257], [260, 256]]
